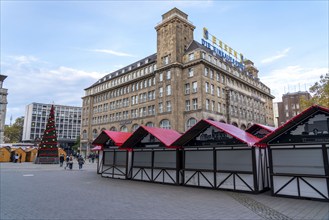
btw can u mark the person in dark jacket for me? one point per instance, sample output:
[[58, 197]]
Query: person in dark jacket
[[81, 161], [61, 160]]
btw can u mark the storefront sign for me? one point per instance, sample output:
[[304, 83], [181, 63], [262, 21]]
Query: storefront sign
[[223, 50]]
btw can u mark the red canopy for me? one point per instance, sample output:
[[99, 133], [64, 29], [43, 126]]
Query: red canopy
[[116, 136], [97, 148], [165, 136], [237, 133]]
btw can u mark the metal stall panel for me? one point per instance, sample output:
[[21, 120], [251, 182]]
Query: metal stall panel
[[199, 168], [165, 170], [114, 164], [299, 172], [235, 170], [142, 165]]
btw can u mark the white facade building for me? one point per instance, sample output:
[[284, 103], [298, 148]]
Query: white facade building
[[67, 119]]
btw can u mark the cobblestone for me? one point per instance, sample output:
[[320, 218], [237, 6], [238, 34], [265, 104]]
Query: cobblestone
[[30, 191]]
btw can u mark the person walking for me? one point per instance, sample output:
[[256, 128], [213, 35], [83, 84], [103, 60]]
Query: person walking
[[61, 160], [67, 161], [16, 158], [70, 162], [81, 161]]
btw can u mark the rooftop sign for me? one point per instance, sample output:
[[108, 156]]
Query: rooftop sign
[[222, 49]]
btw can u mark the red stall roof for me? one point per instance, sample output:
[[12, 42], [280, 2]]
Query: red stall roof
[[165, 136], [116, 136], [260, 126], [292, 122], [199, 127]]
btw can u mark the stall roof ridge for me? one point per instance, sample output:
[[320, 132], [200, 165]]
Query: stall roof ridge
[[165, 136], [292, 122], [237, 133], [117, 137], [255, 126]]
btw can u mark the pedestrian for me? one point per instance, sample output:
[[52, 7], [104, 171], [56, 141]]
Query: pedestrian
[[16, 158], [67, 161], [61, 160], [93, 158], [20, 158], [81, 161], [71, 162]]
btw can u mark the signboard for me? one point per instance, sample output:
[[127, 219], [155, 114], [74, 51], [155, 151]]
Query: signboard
[[222, 49]]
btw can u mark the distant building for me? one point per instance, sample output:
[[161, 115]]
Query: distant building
[[290, 106], [67, 119], [3, 107]]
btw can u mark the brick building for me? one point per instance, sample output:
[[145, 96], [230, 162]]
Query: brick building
[[290, 105], [183, 82]]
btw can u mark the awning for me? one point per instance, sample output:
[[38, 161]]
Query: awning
[[97, 148]]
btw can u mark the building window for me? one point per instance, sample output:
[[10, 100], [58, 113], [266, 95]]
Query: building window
[[95, 133], [165, 124], [168, 89], [191, 56], [168, 76], [149, 124], [160, 92], [135, 127], [211, 89], [190, 123], [207, 104], [168, 106], [207, 87], [190, 72], [195, 104], [194, 87], [212, 105], [219, 107], [160, 107], [187, 105], [187, 88], [166, 60], [84, 134], [160, 77], [124, 129], [206, 70], [218, 91]]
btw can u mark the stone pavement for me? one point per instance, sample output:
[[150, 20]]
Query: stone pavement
[[34, 191]]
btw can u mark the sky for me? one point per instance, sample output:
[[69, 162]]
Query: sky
[[52, 50]]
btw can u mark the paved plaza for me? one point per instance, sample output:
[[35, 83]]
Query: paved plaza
[[33, 191]]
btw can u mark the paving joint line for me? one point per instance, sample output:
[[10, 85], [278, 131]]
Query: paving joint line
[[257, 207]]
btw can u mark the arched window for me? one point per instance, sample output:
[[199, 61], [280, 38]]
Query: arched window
[[165, 124], [84, 134], [243, 127], [235, 124], [94, 133], [113, 129], [124, 128], [103, 129], [190, 123], [135, 127], [222, 121], [149, 124]]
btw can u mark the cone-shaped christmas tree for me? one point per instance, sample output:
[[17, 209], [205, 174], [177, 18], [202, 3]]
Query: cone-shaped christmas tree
[[48, 150]]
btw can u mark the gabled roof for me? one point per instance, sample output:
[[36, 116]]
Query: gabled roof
[[116, 136], [254, 127], [199, 127], [292, 123], [165, 136]]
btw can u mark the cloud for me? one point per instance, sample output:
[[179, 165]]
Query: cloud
[[112, 52], [292, 79], [32, 80], [279, 55]]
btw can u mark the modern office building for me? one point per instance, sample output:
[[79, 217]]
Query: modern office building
[[3, 107], [183, 82], [67, 119], [290, 105]]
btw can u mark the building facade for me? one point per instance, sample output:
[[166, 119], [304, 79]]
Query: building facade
[[67, 119], [3, 107], [290, 105], [183, 82]]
